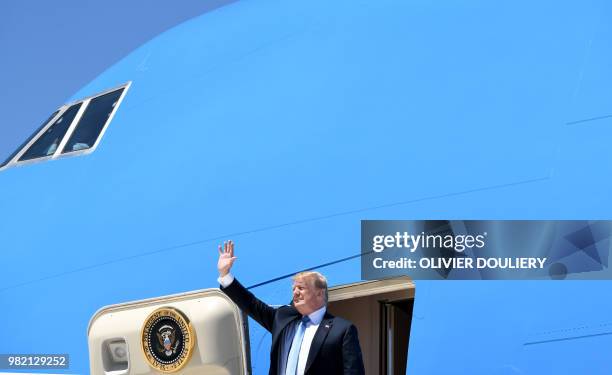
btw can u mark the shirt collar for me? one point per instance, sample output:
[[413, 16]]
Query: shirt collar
[[317, 316]]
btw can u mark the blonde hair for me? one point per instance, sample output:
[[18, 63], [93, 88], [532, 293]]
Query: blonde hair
[[318, 280]]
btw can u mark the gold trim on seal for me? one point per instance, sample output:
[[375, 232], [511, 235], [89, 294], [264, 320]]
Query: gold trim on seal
[[186, 328]]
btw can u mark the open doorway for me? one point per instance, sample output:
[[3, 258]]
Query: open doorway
[[382, 312]]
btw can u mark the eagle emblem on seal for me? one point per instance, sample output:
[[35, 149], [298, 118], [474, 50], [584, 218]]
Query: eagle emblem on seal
[[167, 340]]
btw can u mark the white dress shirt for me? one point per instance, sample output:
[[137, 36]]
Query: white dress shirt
[[311, 327], [226, 280]]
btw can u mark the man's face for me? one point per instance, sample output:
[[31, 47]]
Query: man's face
[[306, 297]]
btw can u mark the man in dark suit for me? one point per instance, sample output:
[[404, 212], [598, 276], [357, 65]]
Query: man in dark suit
[[306, 340]]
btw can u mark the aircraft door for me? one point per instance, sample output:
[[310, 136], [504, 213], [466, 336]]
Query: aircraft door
[[199, 332]]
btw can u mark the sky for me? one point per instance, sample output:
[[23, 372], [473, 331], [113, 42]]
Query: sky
[[50, 49]]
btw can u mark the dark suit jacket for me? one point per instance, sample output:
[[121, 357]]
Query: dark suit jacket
[[335, 347]]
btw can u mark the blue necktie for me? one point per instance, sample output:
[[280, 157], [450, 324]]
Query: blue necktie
[[294, 353]]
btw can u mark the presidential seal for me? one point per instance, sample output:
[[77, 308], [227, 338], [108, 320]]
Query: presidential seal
[[167, 339]]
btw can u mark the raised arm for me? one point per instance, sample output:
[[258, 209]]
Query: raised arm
[[246, 301]]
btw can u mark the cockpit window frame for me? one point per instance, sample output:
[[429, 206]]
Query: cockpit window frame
[[58, 154]]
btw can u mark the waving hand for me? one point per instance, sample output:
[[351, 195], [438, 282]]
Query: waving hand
[[226, 258]]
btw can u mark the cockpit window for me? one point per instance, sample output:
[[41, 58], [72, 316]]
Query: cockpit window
[[74, 129], [92, 122], [48, 142], [29, 138]]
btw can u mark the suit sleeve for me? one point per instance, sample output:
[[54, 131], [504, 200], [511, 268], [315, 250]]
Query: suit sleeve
[[253, 306], [351, 353]]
